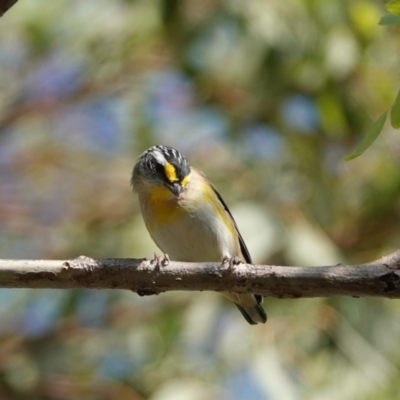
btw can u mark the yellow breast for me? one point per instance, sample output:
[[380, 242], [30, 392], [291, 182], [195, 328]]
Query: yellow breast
[[161, 207]]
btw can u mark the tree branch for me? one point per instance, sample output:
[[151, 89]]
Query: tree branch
[[379, 278]]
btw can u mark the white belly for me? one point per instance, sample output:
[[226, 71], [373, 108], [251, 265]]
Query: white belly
[[193, 240]]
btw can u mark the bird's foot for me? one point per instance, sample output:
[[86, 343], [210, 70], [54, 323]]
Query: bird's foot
[[160, 261], [231, 262], [164, 260]]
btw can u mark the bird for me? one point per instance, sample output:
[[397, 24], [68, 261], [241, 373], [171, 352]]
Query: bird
[[187, 218]]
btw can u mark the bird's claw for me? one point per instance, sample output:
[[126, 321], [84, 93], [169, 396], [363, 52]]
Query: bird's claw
[[160, 261], [164, 260], [231, 262]]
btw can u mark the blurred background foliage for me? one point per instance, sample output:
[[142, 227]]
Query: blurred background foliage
[[266, 97]]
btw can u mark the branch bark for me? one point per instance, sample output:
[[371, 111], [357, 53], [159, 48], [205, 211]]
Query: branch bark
[[380, 278]]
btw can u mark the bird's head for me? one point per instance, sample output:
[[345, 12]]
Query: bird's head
[[161, 167]]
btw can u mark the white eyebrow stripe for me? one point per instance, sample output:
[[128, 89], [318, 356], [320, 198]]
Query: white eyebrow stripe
[[163, 153], [159, 157]]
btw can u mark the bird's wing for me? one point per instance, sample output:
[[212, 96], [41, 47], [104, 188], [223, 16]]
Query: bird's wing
[[243, 246], [247, 258]]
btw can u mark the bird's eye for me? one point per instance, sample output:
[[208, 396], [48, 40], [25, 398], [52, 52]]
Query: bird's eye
[[160, 169]]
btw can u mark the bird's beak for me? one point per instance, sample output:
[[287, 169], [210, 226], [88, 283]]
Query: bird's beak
[[175, 188]]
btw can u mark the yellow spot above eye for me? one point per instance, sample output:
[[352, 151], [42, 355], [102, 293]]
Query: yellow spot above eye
[[170, 172], [185, 180]]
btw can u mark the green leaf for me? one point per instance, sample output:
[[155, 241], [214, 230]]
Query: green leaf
[[395, 112], [373, 132], [389, 19], [393, 7]]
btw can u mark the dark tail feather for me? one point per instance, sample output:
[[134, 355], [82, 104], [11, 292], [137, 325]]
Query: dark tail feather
[[254, 315]]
